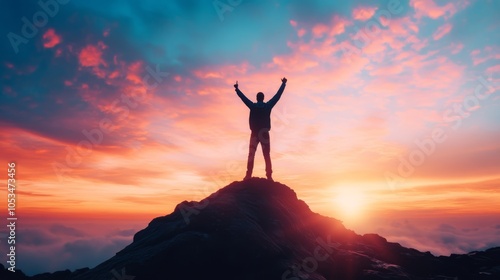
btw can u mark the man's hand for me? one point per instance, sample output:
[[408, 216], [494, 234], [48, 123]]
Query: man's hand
[[236, 85], [284, 80]]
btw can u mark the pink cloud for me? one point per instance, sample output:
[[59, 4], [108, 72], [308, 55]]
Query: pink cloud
[[339, 25], [92, 55], [114, 75], [221, 71], [51, 39], [59, 52], [486, 54], [388, 70], [301, 32], [442, 30], [418, 44], [363, 12], [319, 30], [133, 72], [427, 8], [336, 27], [403, 27], [493, 70], [456, 48], [105, 33]]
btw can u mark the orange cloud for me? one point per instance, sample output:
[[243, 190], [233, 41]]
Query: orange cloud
[[51, 39]]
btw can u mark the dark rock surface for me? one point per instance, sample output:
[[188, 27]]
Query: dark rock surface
[[258, 229]]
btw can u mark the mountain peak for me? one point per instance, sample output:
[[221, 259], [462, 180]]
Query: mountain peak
[[259, 229]]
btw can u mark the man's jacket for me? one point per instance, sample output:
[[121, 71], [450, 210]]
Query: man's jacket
[[260, 112]]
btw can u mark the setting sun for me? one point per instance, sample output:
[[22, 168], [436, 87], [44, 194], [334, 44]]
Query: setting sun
[[350, 203]]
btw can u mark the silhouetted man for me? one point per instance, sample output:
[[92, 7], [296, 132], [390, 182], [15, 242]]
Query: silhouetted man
[[260, 125]]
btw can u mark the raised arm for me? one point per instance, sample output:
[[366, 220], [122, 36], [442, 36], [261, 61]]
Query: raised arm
[[277, 96], [242, 96]]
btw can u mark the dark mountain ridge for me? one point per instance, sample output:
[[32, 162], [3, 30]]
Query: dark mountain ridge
[[259, 229]]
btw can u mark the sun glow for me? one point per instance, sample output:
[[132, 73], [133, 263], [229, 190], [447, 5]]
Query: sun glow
[[350, 203]]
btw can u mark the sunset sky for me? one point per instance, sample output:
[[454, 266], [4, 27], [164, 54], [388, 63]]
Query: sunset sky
[[116, 111]]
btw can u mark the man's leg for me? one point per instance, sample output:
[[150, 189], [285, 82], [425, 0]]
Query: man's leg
[[265, 141], [252, 147]]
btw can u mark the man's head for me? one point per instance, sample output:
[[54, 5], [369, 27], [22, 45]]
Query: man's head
[[260, 97]]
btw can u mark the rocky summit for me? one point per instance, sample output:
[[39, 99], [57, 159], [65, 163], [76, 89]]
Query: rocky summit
[[258, 230]]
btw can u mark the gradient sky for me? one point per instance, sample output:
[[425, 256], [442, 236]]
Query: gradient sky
[[390, 105]]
